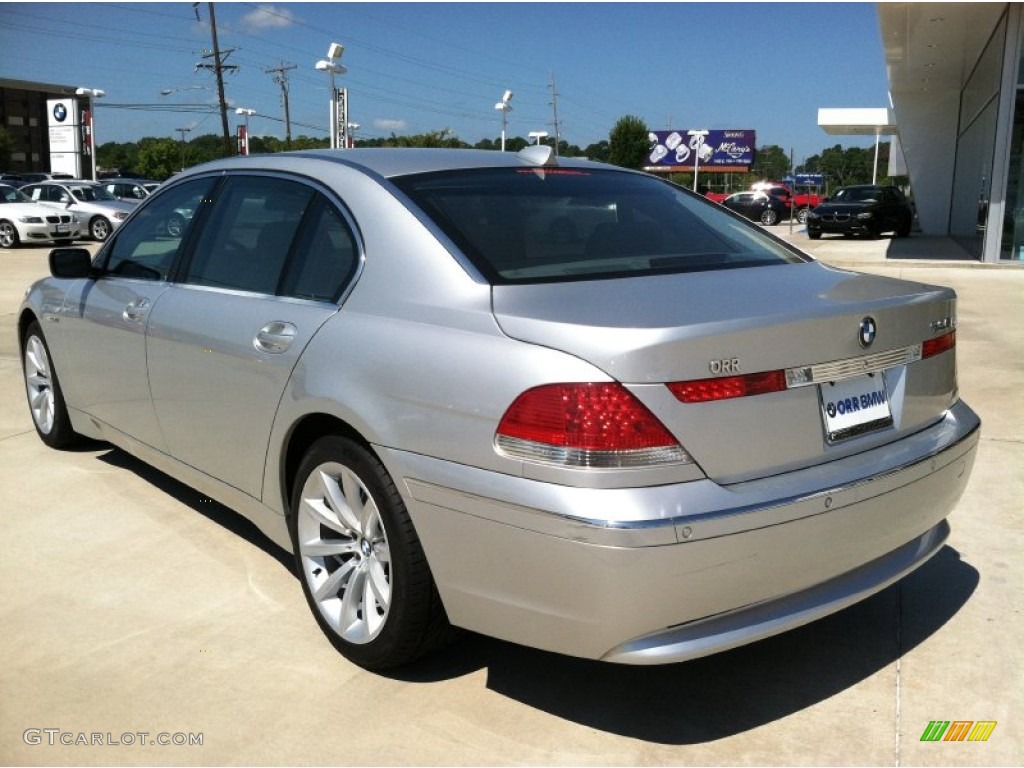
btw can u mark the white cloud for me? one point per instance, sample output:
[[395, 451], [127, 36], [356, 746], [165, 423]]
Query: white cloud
[[267, 16], [386, 124]]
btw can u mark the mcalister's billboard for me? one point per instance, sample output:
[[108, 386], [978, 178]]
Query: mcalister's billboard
[[710, 151]]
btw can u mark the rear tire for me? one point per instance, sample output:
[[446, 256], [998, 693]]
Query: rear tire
[[45, 398], [801, 216], [904, 228], [360, 562], [769, 217]]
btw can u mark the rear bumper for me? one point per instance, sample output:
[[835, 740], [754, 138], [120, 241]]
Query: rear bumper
[[668, 573]]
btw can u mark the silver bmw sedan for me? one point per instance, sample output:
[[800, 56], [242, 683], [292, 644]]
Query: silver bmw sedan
[[552, 401]]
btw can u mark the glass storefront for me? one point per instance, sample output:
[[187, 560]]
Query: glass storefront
[[1012, 243], [976, 138]]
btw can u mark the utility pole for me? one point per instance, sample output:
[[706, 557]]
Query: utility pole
[[554, 105], [282, 79], [219, 67], [182, 132]]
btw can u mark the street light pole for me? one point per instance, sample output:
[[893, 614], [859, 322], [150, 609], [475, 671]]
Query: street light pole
[[92, 94], [333, 66], [504, 107]]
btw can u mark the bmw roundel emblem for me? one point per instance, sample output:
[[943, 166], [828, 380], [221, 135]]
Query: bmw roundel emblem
[[867, 331], [60, 113]]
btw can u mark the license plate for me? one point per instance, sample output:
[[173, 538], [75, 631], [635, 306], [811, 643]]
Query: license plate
[[854, 406], [63, 228]]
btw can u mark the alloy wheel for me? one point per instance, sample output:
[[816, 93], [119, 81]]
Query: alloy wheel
[[344, 553], [8, 235], [100, 228], [39, 383]]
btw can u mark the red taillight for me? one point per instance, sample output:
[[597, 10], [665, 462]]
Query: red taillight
[[595, 425], [938, 345], [726, 387]]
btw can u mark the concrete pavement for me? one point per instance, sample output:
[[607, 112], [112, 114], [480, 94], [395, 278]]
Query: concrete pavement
[[130, 604]]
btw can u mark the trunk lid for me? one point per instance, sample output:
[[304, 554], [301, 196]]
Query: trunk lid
[[649, 331]]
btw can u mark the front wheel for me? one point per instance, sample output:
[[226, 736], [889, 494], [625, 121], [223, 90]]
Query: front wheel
[[45, 398], [99, 228], [801, 216], [8, 235], [360, 562], [769, 217], [175, 225], [814, 235], [903, 230]]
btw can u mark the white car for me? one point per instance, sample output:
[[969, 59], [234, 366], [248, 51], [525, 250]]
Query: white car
[[22, 221], [101, 210]]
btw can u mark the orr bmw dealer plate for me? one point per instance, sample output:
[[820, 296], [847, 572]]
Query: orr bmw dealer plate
[[855, 406]]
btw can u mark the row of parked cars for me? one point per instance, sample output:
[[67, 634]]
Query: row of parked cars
[[863, 209], [60, 210]]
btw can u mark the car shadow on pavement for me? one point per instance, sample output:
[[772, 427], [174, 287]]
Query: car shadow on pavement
[[688, 703], [719, 696], [214, 511]]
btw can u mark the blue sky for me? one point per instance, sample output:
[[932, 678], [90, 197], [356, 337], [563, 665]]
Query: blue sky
[[418, 67]]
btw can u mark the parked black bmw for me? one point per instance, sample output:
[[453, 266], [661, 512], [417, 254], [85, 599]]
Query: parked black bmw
[[862, 210], [758, 206]]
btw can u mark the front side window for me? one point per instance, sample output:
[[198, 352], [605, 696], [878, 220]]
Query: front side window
[[547, 225], [146, 247]]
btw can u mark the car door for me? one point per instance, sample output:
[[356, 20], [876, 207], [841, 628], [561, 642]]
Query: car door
[[104, 319], [263, 275]]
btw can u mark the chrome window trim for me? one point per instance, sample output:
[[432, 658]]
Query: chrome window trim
[[178, 277]]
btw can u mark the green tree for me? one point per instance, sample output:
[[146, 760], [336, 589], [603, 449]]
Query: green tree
[[628, 144], [599, 151], [114, 156], [771, 163], [444, 138], [159, 158]]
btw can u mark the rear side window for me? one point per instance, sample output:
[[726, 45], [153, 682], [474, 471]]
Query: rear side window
[[549, 225], [274, 236], [245, 242], [325, 256]]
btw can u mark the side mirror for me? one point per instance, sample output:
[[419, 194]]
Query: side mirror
[[70, 263]]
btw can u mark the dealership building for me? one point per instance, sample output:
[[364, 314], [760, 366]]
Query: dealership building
[[49, 127], [956, 76]]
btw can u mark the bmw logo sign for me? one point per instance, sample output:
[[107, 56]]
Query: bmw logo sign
[[60, 113], [867, 331]]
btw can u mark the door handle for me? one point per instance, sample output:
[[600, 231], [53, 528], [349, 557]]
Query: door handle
[[274, 337], [136, 311]]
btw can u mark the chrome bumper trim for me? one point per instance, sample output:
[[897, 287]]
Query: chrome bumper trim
[[771, 617]]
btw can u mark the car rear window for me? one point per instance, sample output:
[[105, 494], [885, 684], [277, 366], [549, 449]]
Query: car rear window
[[524, 225]]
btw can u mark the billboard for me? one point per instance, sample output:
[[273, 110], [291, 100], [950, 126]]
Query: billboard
[[724, 151]]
